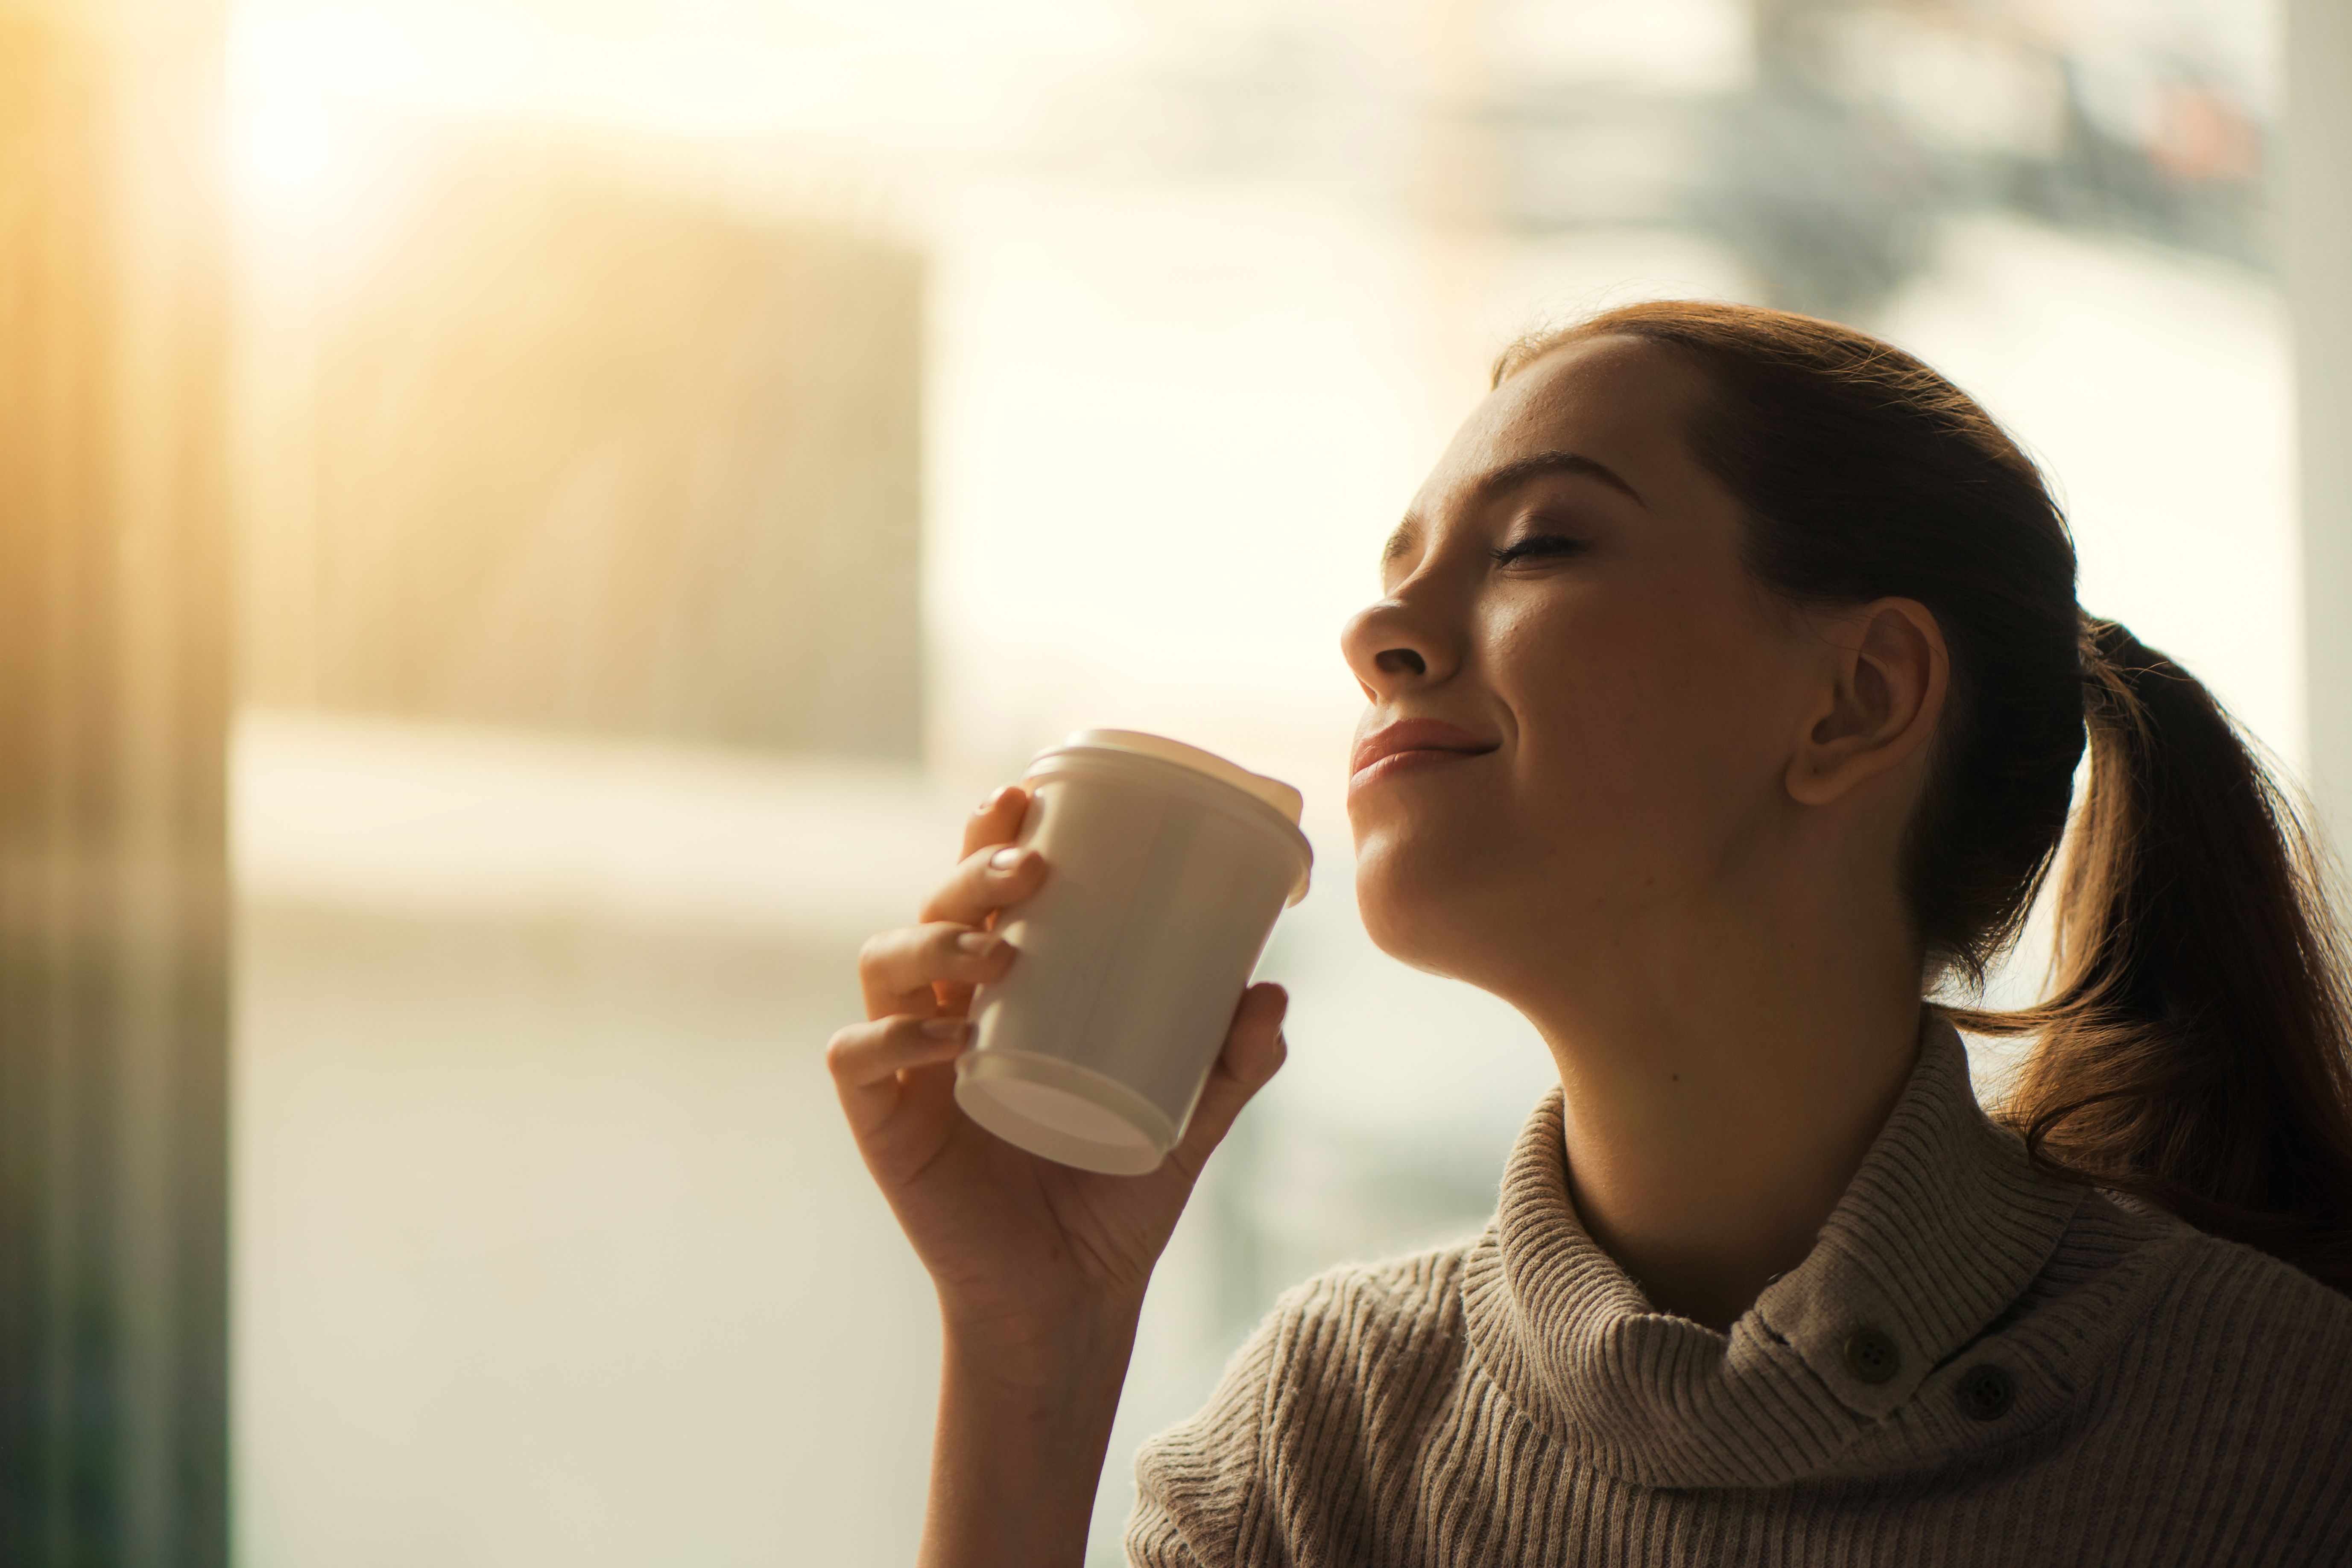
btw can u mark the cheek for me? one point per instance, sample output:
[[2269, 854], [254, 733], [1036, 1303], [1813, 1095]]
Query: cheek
[[1646, 733]]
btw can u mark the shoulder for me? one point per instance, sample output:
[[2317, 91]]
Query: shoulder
[[1341, 1361], [2255, 1301], [1350, 1337], [2236, 1295], [1360, 1319], [2244, 1344]]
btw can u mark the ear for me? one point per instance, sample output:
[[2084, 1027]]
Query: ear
[[1886, 672]]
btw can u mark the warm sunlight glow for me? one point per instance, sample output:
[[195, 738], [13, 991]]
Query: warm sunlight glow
[[312, 84], [296, 81], [285, 151]]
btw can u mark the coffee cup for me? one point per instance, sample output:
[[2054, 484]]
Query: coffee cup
[[1167, 868]]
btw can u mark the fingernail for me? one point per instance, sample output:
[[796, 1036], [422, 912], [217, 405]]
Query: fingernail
[[980, 944], [1007, 860], [946, 1029]]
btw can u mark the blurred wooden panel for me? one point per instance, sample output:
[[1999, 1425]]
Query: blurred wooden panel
[[557, 447], [113, 677]]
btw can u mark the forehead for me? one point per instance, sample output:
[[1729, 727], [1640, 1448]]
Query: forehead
[[1623, 402]]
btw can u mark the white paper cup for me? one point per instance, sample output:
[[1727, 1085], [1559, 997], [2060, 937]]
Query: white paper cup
[[1166, 869]]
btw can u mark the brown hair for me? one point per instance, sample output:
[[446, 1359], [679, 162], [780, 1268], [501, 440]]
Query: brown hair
[[2193, 1049]]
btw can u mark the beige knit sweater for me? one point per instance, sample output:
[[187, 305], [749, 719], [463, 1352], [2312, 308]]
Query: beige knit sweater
[[1977, 1364]]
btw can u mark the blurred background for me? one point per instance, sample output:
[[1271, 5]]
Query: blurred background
[[682, 454]]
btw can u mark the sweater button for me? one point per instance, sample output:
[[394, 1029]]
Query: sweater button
[[1986, 1393], [1871, 1354]]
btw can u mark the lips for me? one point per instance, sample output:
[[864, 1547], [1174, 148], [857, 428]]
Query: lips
[[1411, 743]]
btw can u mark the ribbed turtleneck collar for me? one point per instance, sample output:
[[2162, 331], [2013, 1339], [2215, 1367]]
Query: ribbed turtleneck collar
[[1942, 1228]]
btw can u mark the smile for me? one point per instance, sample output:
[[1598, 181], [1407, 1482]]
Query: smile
[[1408, 744]]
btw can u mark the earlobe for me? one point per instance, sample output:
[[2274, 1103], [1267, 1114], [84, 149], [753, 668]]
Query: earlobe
[[1884, 677]]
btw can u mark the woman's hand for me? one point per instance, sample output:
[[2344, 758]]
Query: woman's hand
[[1019, 1247], [1040, 1269]]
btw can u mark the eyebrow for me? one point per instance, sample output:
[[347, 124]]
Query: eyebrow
[[1509, 477]]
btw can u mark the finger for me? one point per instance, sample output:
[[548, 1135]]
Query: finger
[[865, 1060], [1253, 1053], [998, 820], [897, 969], [987, 880]]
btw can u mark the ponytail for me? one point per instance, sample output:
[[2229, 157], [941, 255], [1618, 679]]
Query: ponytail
[[2193, 1052]]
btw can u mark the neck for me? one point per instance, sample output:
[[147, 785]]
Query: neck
[[1724, 1081]]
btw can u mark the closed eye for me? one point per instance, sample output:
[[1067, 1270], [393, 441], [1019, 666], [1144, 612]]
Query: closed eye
[[1537, 547]]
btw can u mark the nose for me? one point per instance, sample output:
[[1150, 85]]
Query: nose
[[1392, 648]]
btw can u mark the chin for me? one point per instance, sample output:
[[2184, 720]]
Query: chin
[[1422, 904]]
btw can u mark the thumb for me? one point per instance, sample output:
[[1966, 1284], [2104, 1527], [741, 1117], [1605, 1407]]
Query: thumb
[[1253, 1053]]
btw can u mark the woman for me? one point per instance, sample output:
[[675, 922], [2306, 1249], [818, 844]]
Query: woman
[[1726, 692]]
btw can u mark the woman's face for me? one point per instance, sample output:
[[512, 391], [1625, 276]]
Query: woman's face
[[1582, 707]]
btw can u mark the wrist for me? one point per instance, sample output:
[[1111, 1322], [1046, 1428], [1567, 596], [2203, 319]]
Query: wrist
[[1056, 1352]]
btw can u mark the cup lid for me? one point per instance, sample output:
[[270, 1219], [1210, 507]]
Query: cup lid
[[1273, 792]]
